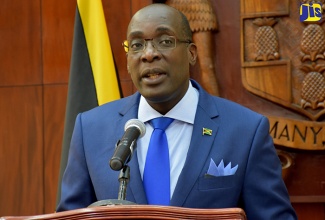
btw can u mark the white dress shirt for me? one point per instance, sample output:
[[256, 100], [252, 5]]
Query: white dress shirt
[[178, 133]]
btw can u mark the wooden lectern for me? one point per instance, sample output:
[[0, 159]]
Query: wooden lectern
[[140, 212]]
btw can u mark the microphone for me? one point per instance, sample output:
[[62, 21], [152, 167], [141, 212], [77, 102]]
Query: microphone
[[124, 148]]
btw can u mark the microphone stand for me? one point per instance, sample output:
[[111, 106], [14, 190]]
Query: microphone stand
[[124, 179]]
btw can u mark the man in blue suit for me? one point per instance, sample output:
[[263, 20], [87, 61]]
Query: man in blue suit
[[221, 154]]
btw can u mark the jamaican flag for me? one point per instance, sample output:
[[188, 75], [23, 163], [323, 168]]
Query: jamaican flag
[[93, 79]]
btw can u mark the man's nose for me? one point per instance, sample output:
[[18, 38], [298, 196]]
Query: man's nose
[[150, 45], [150, 52]]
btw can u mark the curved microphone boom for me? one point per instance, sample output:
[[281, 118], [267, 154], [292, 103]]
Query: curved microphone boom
[[134, 129]]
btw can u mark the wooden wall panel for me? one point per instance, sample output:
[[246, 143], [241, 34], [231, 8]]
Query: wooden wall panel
[[20, 43], [21, 151], [304, 166], [138, 4], [54, 115], [57, 34], [310, 211], [227, 46]]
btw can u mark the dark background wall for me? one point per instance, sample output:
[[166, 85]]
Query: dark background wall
[[35, 49]]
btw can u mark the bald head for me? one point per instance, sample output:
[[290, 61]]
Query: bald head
[[165, 13]]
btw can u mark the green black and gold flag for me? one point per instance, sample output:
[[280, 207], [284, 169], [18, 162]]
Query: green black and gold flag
[[93, 79]]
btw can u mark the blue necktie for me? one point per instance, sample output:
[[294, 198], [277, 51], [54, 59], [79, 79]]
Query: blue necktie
[[156, 176]]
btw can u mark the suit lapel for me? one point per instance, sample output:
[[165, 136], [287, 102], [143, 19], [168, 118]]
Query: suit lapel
[[199, 148], [136, 186], [129, 111]]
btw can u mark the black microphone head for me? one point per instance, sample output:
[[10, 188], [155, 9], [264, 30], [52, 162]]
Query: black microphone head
[[136, 123], [134, 128], [116, 164]]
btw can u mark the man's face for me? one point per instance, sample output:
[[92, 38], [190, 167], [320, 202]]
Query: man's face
[[161, 76]]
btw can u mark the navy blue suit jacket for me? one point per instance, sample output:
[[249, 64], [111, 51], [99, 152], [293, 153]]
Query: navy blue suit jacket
[[239, 136]]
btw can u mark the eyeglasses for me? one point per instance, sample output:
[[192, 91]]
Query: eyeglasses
[[160, 43]]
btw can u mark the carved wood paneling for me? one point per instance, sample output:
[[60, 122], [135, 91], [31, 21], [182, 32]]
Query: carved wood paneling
[[282, 62]]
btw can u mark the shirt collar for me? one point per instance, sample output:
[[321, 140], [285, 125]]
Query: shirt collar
[[184, 110]]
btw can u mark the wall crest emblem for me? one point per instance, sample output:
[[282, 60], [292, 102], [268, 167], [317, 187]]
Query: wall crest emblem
[[283, 57]]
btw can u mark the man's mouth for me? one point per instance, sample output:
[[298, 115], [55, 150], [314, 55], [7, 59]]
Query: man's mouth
[[152, 75]]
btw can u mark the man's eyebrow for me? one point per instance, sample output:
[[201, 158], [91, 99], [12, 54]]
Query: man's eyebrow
[[165, 30], [159, 30], [136, 34]]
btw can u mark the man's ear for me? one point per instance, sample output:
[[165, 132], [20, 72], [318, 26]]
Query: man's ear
[[192, 53]]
